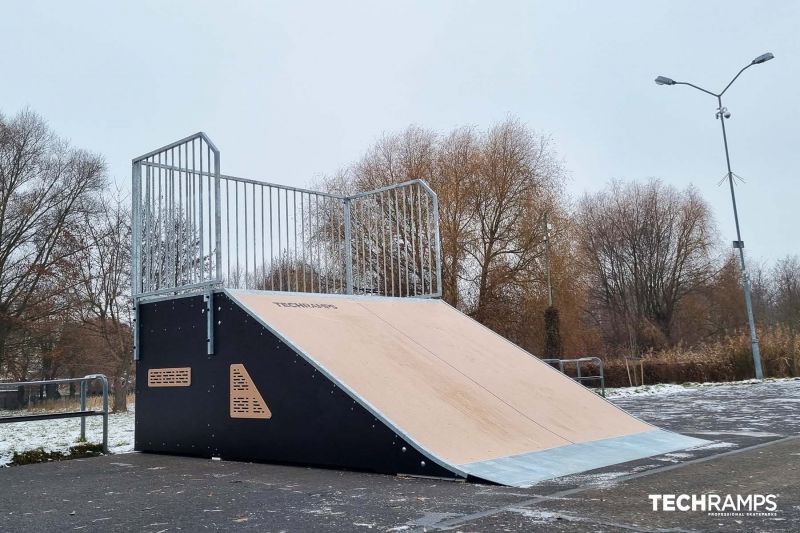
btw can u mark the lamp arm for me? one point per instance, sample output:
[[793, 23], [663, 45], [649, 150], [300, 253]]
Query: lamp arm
[[734, 78], [698, 88]]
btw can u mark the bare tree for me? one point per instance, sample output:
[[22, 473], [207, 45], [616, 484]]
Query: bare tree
[[455, 182], [645, 247], [518, 179], [103, 295], [786, 276], [46, 190]]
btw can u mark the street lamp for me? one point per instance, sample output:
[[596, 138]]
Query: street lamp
[[547, 228], [723, 115]]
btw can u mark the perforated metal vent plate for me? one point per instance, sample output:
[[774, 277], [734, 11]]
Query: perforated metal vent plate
[[246, 401], [169, 377]]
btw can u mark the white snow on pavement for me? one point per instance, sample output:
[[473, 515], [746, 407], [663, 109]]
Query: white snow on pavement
[[59, 435], [672, 388]]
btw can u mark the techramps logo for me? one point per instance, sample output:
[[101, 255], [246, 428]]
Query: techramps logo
[[305, 305], [734, 505]]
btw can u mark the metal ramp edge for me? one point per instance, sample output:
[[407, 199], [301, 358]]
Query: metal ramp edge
[[527, 469]]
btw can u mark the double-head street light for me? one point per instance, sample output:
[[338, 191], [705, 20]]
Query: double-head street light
[[723, 115]]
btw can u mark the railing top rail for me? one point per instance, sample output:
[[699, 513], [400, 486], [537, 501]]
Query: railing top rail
[[198, 135], [578, 360], [393, 186], [90, 377], [421, 183]]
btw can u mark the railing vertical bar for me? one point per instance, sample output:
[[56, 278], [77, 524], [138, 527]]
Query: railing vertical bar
[[148, 256], [369, 277], [363, 235], [311, 230], [211, 231], [83, 409], [348, 248], [438, 243], [255, 242], [169, 241], [192, 198], [405, 240], [377, 274], [271, 241], [413, 230], [354, 237], [157, 222], [420, 240], [263, 280], [318, 238], [237, 270], [303, 241], [178, 214], [199, 220], [201, 209], [246, 254], [288, 267], [314, 259], [217, 217], [165, 259], [163, 215], [173, 230], [430, 243], [376, 246], [382, 205], [397, 236], [183, 196], [136, 229], [326, 210], [197, 231], [228, 229], [340, 253]]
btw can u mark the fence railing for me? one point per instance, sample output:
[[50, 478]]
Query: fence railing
[[194, 227], [580, 375], [82, 413]]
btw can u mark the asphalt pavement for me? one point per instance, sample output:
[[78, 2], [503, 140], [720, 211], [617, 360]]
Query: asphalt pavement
[[753, 449]]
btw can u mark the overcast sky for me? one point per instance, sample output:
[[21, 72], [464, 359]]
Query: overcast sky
[[293, 90]]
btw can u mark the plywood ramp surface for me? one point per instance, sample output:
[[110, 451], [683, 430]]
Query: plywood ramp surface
[[459, 390]]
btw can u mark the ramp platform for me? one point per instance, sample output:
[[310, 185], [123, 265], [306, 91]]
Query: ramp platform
[[373, 383]]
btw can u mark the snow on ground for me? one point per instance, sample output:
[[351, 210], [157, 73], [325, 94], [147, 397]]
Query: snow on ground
[[744, 411], [671, 388], [59, 435]]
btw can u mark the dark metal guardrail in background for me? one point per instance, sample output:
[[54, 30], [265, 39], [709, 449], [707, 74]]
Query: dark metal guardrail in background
[[83, 413], [580, 377]]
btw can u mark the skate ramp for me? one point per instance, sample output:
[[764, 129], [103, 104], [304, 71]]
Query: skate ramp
[[465, 397]]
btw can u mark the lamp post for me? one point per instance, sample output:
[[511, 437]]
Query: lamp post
[[547, 228], [722, 116]]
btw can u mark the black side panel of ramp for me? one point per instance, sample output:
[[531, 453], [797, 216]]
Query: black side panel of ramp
[[313, 421]]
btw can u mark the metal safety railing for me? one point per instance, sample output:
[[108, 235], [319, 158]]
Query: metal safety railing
[[82, 413], [580, 376], [195, 228]]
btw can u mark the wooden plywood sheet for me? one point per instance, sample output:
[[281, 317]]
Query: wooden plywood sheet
[[532, 387], [457, 389]]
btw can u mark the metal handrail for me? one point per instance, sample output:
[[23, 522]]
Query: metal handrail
[[579, 377], [196, 229], [83, 413]]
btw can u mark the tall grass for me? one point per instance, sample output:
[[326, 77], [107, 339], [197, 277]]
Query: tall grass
[[94, 402], [726, 359]]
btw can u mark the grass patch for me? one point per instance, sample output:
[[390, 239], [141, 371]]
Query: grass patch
[[39, 455]]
